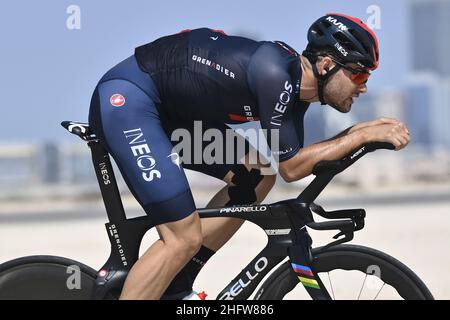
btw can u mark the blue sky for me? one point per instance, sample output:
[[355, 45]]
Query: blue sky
[[49, 71]]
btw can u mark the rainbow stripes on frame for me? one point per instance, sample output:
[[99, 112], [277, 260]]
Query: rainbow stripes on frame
[[304, 272]]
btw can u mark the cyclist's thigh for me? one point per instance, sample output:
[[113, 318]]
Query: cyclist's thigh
[[128, 122], [238, 164], [217, 158]]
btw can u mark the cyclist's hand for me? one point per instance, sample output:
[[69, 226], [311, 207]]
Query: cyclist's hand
[[395, 133], [383, 120], [379, 121]]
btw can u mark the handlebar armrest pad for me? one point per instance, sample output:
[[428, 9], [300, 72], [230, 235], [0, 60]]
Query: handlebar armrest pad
[[326, 166]]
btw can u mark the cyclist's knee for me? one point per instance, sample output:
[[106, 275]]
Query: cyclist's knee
[[182, 238], [189, 243]]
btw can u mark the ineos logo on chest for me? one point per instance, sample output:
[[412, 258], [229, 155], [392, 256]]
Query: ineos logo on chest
[[281, 105]]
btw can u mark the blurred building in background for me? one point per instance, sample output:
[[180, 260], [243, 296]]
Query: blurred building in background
[[422, 101], [427, 110], [427, 89], [429, 29]]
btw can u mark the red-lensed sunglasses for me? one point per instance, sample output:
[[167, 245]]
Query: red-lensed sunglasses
[[358, 77]]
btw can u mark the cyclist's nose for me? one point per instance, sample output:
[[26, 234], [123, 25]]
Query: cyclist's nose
[[362, 88]]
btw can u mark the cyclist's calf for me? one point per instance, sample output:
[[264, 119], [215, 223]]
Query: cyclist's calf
[[152, 273]]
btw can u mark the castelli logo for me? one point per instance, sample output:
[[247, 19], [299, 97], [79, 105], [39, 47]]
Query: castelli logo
[[117, 100]]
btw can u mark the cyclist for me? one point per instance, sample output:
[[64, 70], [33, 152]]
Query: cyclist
[[206, 75]]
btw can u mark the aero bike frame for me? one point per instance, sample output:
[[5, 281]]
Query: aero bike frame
[[284, 223]]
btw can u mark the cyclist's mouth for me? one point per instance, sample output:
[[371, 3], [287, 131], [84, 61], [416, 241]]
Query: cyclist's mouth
[[352, 98]]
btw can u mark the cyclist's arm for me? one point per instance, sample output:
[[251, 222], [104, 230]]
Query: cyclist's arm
[[343, 133], [270, 82], [302, 164], [363, 125]]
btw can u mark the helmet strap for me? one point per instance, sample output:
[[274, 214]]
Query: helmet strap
[[322, 79]]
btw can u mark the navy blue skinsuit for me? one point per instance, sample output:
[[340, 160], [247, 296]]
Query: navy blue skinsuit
[[195, 75]]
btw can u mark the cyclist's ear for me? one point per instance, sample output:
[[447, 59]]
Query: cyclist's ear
[[326, 64]]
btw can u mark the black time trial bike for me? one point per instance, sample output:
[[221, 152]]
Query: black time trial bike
[[287, 263]]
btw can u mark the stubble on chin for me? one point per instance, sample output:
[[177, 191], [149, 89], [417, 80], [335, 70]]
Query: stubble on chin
[[342, 107]]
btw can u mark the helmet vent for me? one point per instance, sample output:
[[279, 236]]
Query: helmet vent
[[342, 39], [360, 39]]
